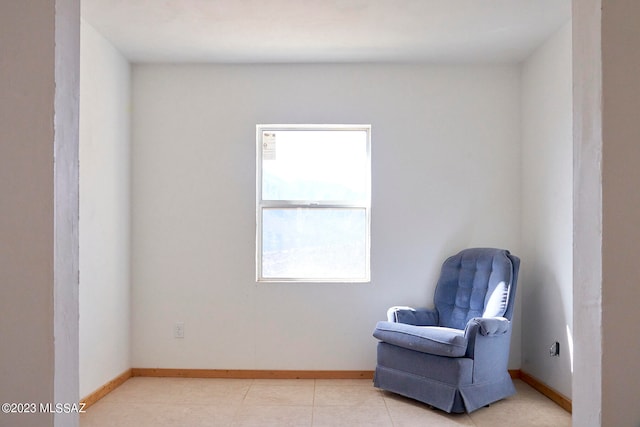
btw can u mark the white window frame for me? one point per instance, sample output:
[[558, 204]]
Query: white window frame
[[311, 204]]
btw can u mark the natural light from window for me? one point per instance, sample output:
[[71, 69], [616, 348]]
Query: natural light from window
[[313, 203]]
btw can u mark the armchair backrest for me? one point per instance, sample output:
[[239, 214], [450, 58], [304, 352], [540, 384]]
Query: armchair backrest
[[477, 282]]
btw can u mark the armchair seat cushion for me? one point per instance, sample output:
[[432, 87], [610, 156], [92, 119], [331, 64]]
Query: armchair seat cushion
[[425, 339]]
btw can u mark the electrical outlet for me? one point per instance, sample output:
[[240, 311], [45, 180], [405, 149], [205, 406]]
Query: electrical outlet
[[178, 330], [554, 350]]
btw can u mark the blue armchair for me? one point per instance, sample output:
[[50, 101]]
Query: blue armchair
[[455, 356]]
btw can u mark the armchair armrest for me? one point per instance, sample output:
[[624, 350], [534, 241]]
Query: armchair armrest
[[487, 326], [412, 316], [488, 345]]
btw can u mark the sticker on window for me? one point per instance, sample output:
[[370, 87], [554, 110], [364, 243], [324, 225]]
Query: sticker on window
[[268, 146]]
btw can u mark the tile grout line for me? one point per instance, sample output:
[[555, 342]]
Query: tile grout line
[[471, 419], [388, 411], [235, 420], [313, 401]]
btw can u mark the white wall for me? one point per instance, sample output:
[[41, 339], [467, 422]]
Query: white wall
[[547, 223], [587, 214], [66, 210], [446, 175], [104, 212]]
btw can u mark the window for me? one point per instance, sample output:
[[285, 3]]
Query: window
[[313, 203]]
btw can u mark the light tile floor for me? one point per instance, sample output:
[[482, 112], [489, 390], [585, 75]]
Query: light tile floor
[[188, 402]]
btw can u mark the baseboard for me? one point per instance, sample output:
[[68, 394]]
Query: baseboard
[[106, 389], [560, 399], [249, 374]]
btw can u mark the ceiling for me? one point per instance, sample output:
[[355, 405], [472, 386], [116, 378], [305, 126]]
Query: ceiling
[[283, 31]]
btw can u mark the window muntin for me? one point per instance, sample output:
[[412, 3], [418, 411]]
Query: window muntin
[[313, 203]]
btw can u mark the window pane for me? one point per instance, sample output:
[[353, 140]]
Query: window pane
[[314, 243], [317, 165]]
